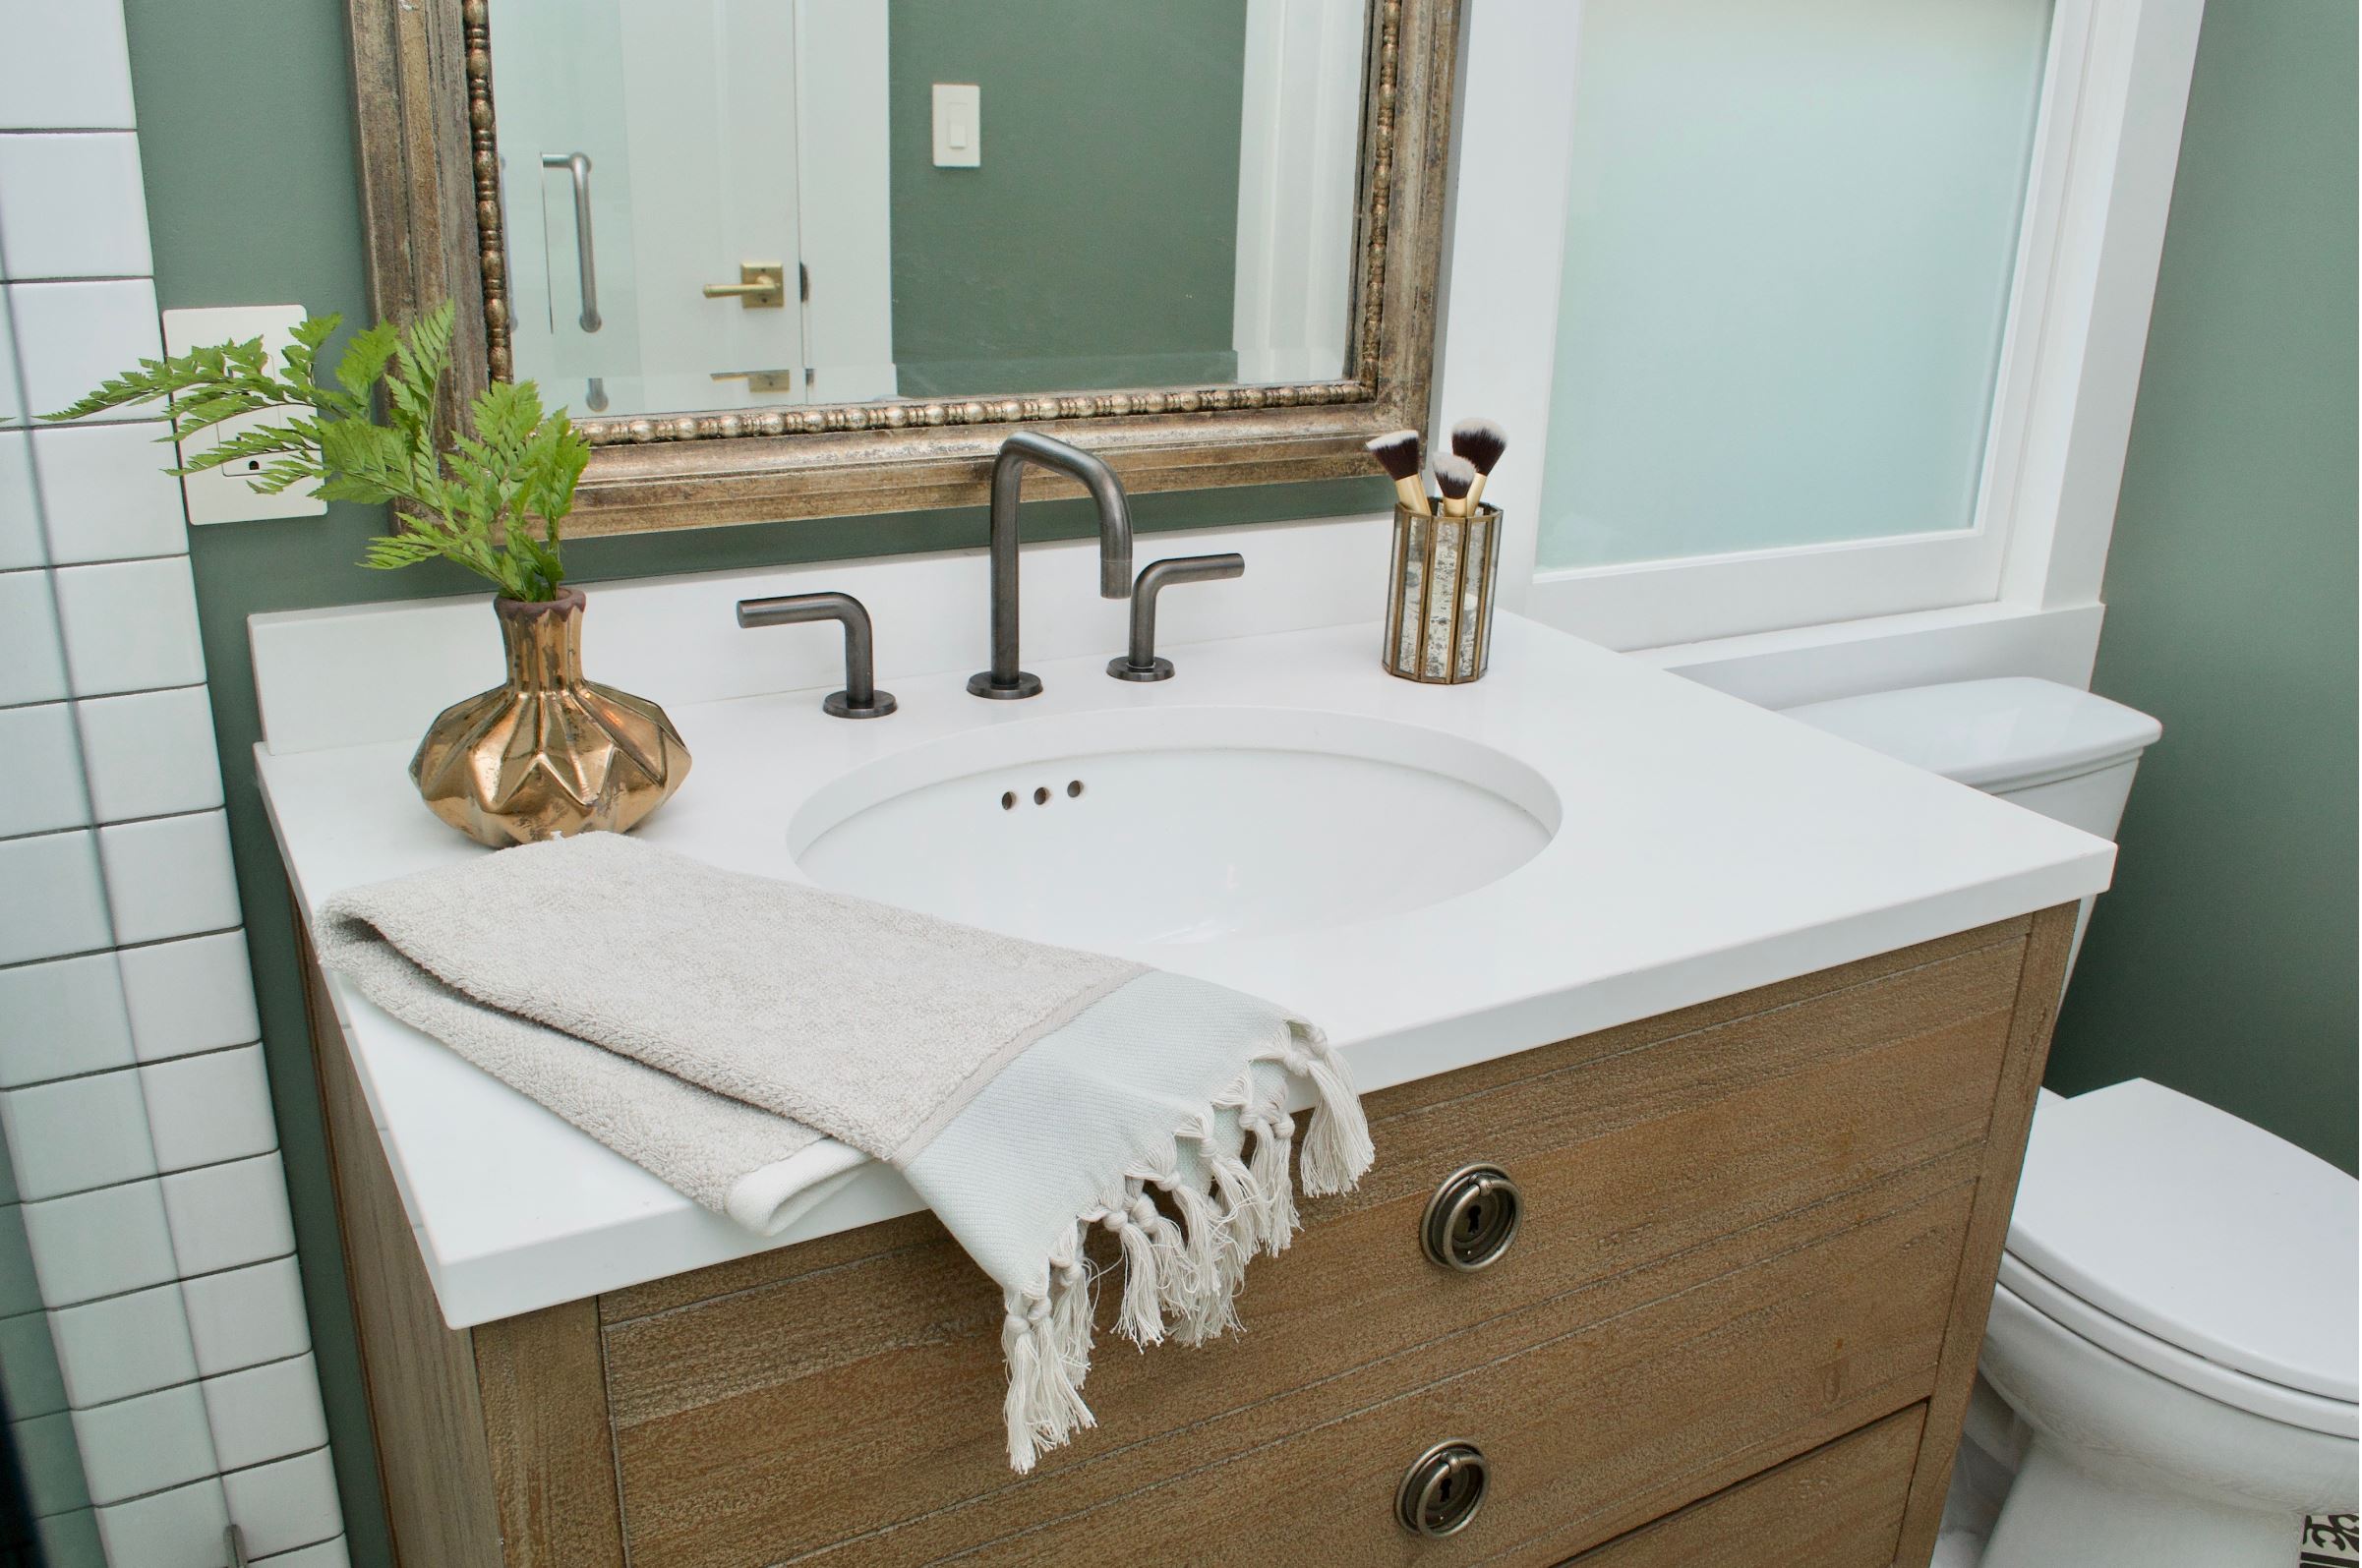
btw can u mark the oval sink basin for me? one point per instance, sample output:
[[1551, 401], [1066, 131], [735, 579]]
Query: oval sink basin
[[1133, 827]]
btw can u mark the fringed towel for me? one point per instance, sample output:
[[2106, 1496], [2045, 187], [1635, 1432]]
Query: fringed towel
[[718, 1028]]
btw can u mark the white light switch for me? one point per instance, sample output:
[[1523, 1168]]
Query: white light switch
[[958, 126], [219, 496]]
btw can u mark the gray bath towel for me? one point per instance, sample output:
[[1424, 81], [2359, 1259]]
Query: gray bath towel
[[720, 1030]]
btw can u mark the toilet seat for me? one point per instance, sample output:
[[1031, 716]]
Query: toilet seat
[[2291, 1407], [2192, 1245]]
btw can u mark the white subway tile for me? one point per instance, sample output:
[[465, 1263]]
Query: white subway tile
[[189, 996], [124, 1346], [180, 1526], [286, 1506], [227, 1215], [99, 1244], [265, 1413], [43, 758], [105, 492], [150, 753], [77, 1133], [169, 876], [62, 1018], [71, 337], [66, 67], [20, 543], [30, 1384], [54, 905], [32, 654], [203, 1110], [327, 1555], [72, 207], [12, 400], [141, 1445], [247, 1316], [130, 625]]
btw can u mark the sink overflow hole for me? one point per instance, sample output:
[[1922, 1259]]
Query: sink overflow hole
[[1041, 796], [1074, 788], [1008, 801]]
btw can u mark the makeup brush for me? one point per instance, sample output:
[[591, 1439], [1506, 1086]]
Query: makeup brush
[[1398, 453], [1455, 476], [1481, 441]]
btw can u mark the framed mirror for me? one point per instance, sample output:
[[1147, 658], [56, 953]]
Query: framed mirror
[[787, 259]]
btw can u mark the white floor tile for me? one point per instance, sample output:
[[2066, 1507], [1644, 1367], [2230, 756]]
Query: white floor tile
[[150, 754], [99, 1244], [77, 1133], [146, 1444], [72, 207], [21, 542], [129, 625], [54, 905], [66, 67], [181, 1526], [286, 1506], [62, 1018], [123, 1346], [169, 876], [203, 1110], [246, 1317], [105, 492], [227, 1215], [265, 1413], [189, 996], [43, 757], [71, 337], [32, 650]]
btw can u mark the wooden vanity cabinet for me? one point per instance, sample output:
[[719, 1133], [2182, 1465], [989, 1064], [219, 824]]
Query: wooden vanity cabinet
[[1737, 1324]]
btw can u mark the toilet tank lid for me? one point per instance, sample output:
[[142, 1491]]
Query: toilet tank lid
[[1988, 733], [2198, 1228]]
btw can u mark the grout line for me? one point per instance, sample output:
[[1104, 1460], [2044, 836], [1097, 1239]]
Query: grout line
[[281, 1556], [152, 1176], [132, 1066], [217, 1477], [124, 946], [112, 821], [181, 1279], [191, 1382]]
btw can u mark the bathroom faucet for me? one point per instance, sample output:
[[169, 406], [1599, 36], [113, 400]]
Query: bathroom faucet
[[1004, 679]]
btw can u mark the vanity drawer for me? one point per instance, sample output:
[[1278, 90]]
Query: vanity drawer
[[1743, 1225]]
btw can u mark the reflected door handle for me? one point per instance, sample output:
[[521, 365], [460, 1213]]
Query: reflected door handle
[[761, 286], [578, 165]]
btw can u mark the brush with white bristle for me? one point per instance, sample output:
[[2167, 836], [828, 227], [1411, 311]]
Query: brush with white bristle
[[1399, 454], [1455, 476], [1481, 441]]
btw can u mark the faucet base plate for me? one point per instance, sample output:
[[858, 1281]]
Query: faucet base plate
[[839, 705], [1027, 684], [1158, 668]]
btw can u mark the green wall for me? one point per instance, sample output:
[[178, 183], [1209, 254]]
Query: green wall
[[1060, 263], [246, 132], [2222, 962]]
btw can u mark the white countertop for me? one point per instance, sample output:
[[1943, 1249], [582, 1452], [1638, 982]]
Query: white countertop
[[1705, 847]]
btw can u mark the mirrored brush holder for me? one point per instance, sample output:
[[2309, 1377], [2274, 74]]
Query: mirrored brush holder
[[1439, 625]]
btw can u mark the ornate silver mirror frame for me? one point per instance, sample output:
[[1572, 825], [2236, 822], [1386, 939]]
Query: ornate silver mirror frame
[[421, 71]]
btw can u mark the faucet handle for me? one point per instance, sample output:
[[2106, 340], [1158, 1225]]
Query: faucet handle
[[860, 698], [1142, 662]]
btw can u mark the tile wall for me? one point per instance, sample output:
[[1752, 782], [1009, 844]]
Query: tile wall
[[155, 1362]]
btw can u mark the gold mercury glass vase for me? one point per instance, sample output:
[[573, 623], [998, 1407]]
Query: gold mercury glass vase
[[549, 754]]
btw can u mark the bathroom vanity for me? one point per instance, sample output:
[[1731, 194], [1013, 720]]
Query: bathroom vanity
[[1753, 1024]]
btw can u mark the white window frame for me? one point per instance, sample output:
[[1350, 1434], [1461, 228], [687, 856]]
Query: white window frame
[[2016, 593]]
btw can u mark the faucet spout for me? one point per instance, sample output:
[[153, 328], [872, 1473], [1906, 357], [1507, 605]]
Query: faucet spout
[[1005, 680]]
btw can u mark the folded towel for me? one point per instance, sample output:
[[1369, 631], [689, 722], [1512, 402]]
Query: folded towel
[[720, 1030]]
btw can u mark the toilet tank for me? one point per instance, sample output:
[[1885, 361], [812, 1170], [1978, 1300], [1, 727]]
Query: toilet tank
[[2065, 753]]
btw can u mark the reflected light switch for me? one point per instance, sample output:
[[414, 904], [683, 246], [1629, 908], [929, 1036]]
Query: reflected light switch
[[958, 126]]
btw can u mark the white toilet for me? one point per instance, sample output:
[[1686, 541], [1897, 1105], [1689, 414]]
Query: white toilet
[[2168, 1377]]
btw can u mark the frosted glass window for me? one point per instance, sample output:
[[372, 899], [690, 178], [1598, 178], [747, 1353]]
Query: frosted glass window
[[1790, 235]]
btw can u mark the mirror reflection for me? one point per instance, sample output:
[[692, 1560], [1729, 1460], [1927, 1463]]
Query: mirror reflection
[[730, 204]]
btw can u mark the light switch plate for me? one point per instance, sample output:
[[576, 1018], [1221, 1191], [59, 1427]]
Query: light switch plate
[[958, 126], [219, 496]]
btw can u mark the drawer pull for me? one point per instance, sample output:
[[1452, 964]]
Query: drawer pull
[[1442, 1490], [1472, 1218]]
